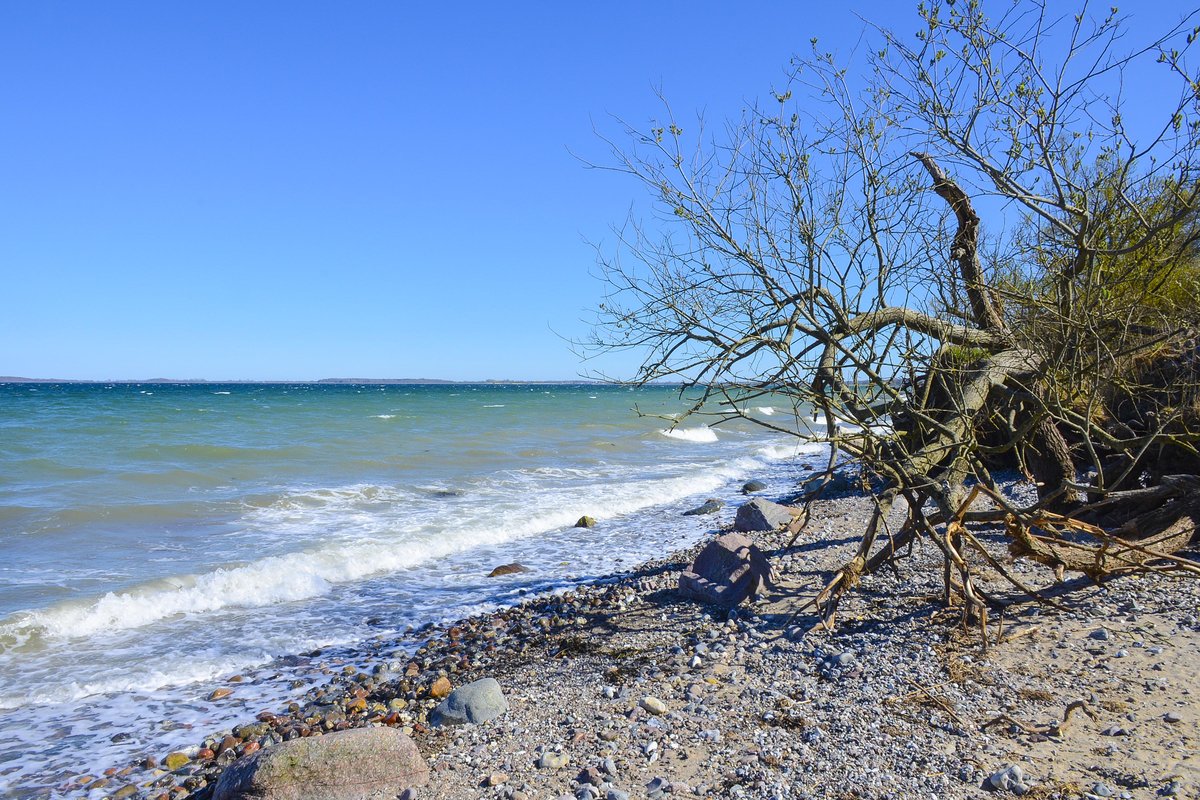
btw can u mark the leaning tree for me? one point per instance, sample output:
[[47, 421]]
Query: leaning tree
[[962, 256]]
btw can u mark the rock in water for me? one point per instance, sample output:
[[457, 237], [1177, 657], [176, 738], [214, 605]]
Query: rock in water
[[508, 569], [586, 522], [358, 763], [174, 761], [761, 515], [711, 506], [750, 487], [727, 571], [473, 703]]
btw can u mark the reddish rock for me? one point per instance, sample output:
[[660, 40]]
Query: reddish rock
[[220, 694], [440, 688], [727, 571]]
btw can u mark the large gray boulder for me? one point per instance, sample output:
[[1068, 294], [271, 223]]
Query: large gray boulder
[[761, 515], [348, 765], [473, 703], [728, 570]]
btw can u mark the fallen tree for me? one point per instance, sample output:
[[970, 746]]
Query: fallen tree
[[831, 250]]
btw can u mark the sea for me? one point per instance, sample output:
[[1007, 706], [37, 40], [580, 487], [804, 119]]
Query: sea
[[159, 540]]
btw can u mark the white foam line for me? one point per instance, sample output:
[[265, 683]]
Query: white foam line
[[701, 435], [307, 574]]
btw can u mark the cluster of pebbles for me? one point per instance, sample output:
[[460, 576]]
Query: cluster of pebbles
[[624, 689]]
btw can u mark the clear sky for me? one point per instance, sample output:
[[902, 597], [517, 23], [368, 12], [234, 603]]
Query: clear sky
[[298, 190]]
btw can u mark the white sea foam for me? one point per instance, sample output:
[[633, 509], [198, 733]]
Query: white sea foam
[[368, 530], [384, 416], [495, 405], [221, 392], [765, 411], [788, 450], [703, 434], [138, 678]]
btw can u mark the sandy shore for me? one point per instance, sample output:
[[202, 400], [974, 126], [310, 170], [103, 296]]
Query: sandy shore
[[625, 689]]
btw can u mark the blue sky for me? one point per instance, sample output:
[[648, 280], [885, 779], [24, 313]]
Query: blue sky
[[296, 190]]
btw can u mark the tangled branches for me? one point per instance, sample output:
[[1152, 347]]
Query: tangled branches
[[831, 251]]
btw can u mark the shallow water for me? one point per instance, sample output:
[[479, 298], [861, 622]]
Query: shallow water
[[157, 539]]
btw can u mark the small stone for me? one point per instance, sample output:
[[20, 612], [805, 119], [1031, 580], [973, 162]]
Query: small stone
[[586, 522], [1172, 717], [496, 779], [1010, 779], [440, 688], [1102, 790], [1114, 730], [1122, 653], [552, 760], [616, 794], [750, 487], [174, 761], [128, 790], [590, 775], [658, 786], [1100, 635], [220, 694], [653, 705]]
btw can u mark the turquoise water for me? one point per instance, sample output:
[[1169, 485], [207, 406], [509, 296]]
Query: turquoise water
[[156, 539]]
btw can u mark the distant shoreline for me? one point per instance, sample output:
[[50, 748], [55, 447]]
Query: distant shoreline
[[5, 379]]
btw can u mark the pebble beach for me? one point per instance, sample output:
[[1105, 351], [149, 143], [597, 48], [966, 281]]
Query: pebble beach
[[623, 688]]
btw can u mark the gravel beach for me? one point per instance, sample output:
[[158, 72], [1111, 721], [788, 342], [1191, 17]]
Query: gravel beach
[[625, 689]]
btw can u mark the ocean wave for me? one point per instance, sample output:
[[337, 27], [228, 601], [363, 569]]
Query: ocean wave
[[701, 435], [367, 531], [789, 450], [384, 416], [766, 411]]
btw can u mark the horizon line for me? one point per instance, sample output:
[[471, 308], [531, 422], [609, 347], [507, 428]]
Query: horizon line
[[14, 379]]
